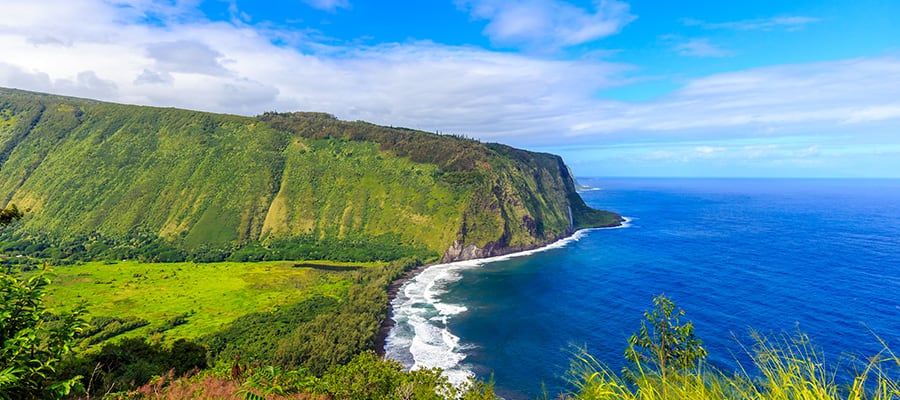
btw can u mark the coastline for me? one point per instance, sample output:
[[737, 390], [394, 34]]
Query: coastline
[[388, 323]]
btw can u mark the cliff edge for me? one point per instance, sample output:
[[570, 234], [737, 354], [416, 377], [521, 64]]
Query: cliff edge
[[103, 179]]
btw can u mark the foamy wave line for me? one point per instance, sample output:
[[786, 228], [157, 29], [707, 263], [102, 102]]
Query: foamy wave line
[[626, 223], [420, 337]]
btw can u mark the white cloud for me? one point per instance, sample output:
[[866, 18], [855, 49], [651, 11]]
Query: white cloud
[[696, 47], [811, 151], [709, 151], [328, 5], [874, 113], [13, 75], [186, 61], [686, 152], [48, 40], [548, 23], [154, 77], [186, 56], [87, 83], [789, 23], [850, 96], [760, 151], [222, 67], [84, 83]]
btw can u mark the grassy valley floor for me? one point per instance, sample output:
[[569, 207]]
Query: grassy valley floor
[[206, 297]]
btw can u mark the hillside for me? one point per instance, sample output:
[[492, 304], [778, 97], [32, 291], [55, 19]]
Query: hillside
[[104, 179]]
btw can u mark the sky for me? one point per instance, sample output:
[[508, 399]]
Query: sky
[[689, 88]]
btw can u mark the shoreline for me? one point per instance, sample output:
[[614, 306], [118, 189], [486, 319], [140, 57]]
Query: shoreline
[[388, 323]]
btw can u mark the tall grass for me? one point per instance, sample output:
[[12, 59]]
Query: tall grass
[[785, 368]]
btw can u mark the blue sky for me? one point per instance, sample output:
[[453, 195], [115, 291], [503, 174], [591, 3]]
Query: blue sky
[[618, 88]]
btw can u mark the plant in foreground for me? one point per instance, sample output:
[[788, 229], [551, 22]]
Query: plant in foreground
[[668, 364], [664, 344], [33, 340]]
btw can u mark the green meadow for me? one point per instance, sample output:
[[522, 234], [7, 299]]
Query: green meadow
[[208, 296]]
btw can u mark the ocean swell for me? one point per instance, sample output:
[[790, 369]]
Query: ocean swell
[[420, 336]]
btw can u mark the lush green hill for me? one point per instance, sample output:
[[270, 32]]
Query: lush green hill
[[105, 179]]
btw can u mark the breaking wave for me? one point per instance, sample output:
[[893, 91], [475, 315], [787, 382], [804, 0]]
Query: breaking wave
[[420, 337]]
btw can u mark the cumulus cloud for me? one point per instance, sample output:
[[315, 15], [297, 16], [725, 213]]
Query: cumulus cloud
[[87, 83], [150, 77], [84, 83], [13, 75], [186, 56], [548, 22]]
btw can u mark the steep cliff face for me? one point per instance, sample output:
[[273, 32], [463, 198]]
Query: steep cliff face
[[89, 169], [528, 201]]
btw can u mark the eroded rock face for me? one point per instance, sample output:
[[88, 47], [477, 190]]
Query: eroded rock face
[[458, 252]]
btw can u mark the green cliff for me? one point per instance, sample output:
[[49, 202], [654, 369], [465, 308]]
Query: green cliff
[[109, 173]]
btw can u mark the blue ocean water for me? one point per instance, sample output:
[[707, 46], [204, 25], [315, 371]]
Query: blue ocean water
[[818, 256]]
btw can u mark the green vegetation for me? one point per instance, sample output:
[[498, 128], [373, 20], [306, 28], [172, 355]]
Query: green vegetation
[[10, 214], [151, 318], [111, 182], [323, 342], [664, 344], [132, 362], [323, 349], [34, 341], [667, 364], [169, 224], [365, 377], [189, 300]]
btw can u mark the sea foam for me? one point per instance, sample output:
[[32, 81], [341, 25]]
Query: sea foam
[[421, 337]]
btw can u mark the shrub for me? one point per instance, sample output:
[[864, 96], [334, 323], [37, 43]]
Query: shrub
[[666, 358], [33, 341]]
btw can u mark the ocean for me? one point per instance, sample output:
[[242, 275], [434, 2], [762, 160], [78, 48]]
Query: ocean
[[821, 257]]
